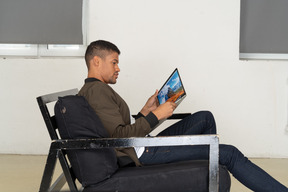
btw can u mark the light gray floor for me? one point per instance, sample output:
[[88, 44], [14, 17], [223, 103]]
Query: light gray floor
[[21, 173]]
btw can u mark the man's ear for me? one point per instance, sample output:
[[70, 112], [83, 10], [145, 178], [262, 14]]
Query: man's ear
[[96, 61]]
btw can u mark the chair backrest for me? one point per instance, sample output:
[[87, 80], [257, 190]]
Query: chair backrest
[[50, 120], [67, 175], [75, 119]]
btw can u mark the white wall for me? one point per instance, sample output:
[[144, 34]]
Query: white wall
[[201, 38]]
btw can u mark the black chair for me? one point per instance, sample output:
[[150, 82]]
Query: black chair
[[186, 175]]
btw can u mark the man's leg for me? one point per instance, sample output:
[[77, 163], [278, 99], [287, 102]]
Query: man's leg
[[203, 122], [198, 123], [247, 172], [242, 169]]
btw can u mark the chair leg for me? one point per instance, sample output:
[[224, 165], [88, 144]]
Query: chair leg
[[58, 184], [66, 170], [214, 165], [48, 171]]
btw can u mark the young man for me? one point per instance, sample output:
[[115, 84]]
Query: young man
[[102, 59]]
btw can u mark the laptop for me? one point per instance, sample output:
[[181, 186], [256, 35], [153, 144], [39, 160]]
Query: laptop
[[172, 90]]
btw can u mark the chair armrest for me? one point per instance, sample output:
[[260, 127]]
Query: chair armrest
[[179, 115], [174, 116], [70, 144], [211, 140]]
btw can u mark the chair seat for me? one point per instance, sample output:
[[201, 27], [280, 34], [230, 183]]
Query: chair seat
[[180, 176]]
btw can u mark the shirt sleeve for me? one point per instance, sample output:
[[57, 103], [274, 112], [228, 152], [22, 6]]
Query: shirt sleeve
[[151, 118]]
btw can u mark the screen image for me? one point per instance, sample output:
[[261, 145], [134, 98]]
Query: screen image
[[172, 90]]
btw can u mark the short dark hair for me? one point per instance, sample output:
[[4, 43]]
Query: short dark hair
[[99, 48]]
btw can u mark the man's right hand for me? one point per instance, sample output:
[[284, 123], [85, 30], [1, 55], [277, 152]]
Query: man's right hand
[[164, 110]]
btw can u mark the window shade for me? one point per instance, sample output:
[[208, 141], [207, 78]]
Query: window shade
[[41, 21], [264, 26]]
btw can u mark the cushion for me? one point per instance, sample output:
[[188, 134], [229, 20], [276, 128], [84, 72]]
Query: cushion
[[76, 119], [180, 176]]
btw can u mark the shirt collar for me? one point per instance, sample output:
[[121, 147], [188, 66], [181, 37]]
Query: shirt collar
[[91, 79]]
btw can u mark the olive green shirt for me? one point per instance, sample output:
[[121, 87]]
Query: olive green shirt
[[115, 115]]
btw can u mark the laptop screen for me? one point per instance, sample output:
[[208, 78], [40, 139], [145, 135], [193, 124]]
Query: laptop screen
[[172, 90]]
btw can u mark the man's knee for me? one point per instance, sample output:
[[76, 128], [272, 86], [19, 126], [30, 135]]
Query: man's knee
[[205, 114], [208, 116]]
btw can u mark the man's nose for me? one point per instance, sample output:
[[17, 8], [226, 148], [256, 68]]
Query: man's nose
[[117, 68]]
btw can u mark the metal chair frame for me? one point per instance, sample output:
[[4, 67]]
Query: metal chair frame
[[58, 148]]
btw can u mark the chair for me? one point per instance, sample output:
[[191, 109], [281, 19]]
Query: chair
[[199, 171]]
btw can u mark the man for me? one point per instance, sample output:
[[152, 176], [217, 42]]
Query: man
[[102, 59]]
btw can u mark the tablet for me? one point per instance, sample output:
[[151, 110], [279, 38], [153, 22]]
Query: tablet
[[172, 90]]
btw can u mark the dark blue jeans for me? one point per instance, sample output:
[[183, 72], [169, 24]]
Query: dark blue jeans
[[203, 122]]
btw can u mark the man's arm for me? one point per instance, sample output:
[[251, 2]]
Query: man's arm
[[114, 113]]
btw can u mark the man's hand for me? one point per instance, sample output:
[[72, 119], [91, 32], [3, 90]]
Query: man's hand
[[164, 110], [151, 104]]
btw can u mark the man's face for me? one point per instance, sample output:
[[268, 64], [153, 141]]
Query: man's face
[[109, 68]]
